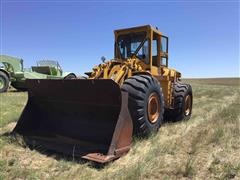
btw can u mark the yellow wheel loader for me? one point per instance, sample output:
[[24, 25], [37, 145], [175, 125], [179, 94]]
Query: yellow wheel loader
[[95, 117]]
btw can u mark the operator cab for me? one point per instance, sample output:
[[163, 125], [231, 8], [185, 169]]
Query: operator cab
[[144, 42]]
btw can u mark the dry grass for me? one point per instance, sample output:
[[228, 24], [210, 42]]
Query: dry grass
[[215, 81], [205, 147], [11, 106]]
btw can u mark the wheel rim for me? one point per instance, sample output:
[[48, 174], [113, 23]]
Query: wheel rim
[[2, 83], [188, 105], [153, 107]]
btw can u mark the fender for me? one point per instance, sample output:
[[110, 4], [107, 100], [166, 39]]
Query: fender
[[69, 74]]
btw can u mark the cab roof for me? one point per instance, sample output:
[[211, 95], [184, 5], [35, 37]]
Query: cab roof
[[137, 29]]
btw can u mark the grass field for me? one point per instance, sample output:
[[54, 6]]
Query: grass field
[[205, 147]]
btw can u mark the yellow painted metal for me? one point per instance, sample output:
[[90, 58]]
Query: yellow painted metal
[[119, 69]]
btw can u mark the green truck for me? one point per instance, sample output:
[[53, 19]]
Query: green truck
[[13, 73]]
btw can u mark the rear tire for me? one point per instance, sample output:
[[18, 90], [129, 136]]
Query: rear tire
[[4, 82], [182, 102], [145, 104]]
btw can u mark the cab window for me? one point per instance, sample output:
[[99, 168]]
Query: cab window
[[164, 51], [155, 56]]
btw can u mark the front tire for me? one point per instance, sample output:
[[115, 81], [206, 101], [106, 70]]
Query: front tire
[[145, 104], [4, 82]]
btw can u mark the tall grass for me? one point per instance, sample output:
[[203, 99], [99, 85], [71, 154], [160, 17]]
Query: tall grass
[[11, 106]]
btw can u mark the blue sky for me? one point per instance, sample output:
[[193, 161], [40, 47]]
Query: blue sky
[[203, 36]]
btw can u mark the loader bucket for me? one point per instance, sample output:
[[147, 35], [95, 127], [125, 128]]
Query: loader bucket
[[78, 117]]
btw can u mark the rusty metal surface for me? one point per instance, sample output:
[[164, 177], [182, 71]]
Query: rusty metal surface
[[85, 118]]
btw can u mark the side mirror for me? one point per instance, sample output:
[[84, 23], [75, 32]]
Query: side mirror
[[103, 59]]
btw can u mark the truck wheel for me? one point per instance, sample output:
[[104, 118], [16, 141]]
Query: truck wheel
[[145, 103], [70, 76], [182, 102], [4, 82]]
